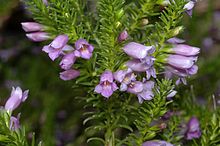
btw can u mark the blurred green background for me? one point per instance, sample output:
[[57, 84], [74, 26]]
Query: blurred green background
[[51, 109]]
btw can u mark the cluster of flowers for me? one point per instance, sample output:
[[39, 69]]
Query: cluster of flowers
[[59, 48], [141, 62], [17, 96], [181, 60]]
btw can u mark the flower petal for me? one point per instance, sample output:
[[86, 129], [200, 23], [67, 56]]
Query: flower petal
[[107, 91], [98, 88], [25, 95], [175, 40], [107, 76], [120, 75], [69, 74]]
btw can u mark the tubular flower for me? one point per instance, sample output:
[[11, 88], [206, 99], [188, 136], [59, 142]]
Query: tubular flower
[[54, 49], [67, 61], [181, 62], [189, 7], [14, 123], [125, 77], [31, 26], [156, 143], [123, 36], [185, 50], [143, 65], [17, 96], [69, 74], [106, 86], [38, 36], [138, 51], [147, 93], [175, 40], [193, 130], [83, 49], [181, 73]]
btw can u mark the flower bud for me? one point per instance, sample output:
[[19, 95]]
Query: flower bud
[[193, 130], [123, 36], [186, 50], [38, 36], [31, 26], [176, 31], [69, 74], [144, 21], [181, 62], [14, 123]]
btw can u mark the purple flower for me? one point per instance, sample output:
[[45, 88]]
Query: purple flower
[[147, 93], [125, 77], [31, 26], [135, 87], [182, 73], [185, 50], [83, 49], [181, 62], [128, 83], [189, 7], [156, 143], [67, 61], [175, 40], [137, 65], [54, 49], [106, 86], [142, 62], [123, 36], [45, 2], [138, 51], [69, 74], [14, 123], [38, 36], [193, 130], [143, 65], [168, 115], [17, 96]]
